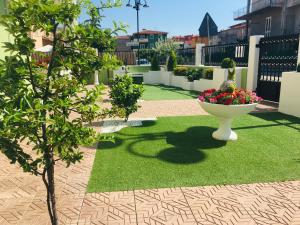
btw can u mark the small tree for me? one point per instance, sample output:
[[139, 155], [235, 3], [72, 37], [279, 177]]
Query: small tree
[[36, 100], [155, 63], [124, 95], [172, 63], [164, 48]]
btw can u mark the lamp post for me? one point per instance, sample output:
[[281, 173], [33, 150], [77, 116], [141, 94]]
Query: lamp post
[[137, 6]]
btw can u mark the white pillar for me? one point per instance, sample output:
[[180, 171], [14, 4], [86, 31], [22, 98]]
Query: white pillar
[[96, 75], [199, 55], [299, 51], [253, 62]]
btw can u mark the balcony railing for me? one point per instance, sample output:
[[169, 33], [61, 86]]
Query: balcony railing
[[292, 3], [259, 5]]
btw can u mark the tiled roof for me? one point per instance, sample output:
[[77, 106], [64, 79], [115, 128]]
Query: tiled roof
[[151, 32]]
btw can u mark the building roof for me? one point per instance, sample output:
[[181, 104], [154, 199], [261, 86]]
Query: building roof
[[208, 27], [239, 25], [125, 37], [149, 32]]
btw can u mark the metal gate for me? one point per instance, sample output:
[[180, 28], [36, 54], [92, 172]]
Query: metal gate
[[277, 55]]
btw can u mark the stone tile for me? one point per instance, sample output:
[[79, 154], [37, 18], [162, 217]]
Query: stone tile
[[163, 206]]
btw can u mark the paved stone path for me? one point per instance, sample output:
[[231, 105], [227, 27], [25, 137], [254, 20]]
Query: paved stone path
[[22, 201], [22, 196], [181, 108]]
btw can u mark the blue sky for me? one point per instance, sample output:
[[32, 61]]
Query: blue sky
[[178, 17]]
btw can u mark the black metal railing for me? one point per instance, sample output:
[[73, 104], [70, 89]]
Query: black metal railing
[[186, 56], [277, 55], [214, 55]]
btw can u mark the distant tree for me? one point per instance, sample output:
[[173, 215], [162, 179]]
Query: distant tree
[[165, 47], [37, 100], [172, 63]]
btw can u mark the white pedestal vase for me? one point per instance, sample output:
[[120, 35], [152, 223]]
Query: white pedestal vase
[[225, 115]]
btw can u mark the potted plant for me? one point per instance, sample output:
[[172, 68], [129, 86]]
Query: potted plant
[[227, 103], [298, 68]]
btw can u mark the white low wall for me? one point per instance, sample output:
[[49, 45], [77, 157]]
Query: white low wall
[[178, 81], [169, 79], [289, 102], [202, 85], [153, 77], [220, 75]]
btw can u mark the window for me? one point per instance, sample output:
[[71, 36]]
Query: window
[[268, 26]]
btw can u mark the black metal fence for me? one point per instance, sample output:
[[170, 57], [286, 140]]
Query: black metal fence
[[213, 55], [277, 55], [184, 56]]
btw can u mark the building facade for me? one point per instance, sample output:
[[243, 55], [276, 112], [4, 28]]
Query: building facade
[[147, 38], [271, 17], [190, 41], [122, 43], [234, 34]]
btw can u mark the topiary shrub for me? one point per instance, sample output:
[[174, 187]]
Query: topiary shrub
[[298, 68], [155, 63], [124, 96], [228, 63], [172, 62], [181, 71], [208, 74]]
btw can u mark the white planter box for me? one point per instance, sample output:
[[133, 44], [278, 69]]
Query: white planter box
[[238, 76], [177, 81], [166, 78], [289, 102], [220, 75], [188, 85], [152, 77], [202, 85]]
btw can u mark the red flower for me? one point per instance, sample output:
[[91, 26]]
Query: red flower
[[228, 101]]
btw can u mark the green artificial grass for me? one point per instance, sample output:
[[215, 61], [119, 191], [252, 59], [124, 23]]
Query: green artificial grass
[[139, 69], [179, 151], [162, 92]]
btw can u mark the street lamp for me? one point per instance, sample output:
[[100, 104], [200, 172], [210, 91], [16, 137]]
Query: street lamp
[[137, 6]]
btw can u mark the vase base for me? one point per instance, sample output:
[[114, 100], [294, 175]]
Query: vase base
[[225, 136]]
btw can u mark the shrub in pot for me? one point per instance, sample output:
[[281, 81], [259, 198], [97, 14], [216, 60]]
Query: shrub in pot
[[181, 71], [197, 73], [155, 63], [208, 74], [298, 68], [172, 62]]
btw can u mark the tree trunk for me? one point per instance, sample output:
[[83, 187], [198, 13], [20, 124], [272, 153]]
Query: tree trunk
[[51, 200]]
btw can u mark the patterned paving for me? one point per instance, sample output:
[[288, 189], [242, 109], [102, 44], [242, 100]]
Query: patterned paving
[[22, 201]]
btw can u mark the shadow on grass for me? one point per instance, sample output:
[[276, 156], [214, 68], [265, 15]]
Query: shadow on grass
[[278, 119], [177, 90], [185, 147]]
